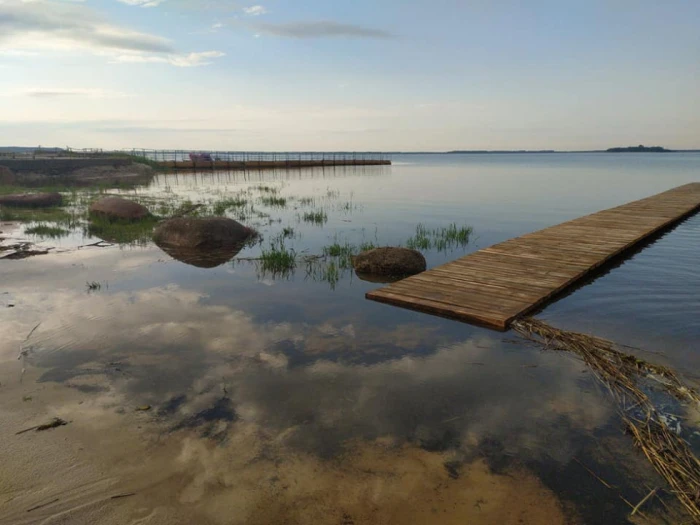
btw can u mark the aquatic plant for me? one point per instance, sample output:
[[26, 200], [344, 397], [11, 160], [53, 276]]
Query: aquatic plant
[[315, 217], [277, 260], [331, 274], [366, 246], [137, 233], [220, 207], [266, 189], [447, 238], [43, 230], [274, 201], [442, 239], [53, 215], [421, 240]]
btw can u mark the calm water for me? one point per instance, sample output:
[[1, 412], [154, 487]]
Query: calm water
[[312, 365]]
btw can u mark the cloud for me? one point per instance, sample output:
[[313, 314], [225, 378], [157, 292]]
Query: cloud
[[344, 382], [142, 3], [255, 10], [179, 60], [69, 92], [45, 25], [321, 29]]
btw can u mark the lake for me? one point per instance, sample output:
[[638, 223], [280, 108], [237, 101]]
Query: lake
[[237, 394]]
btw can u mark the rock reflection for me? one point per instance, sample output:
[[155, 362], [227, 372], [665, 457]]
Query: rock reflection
[[202, 257]]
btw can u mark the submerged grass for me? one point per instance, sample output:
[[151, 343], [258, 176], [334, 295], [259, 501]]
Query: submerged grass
[[138, 233], [46, 231], [53, 215], [277, 260], [318, 217], [220, 207], [266, 189], [274, 201]]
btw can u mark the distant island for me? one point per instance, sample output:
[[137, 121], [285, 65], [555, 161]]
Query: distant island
[[640, 149]]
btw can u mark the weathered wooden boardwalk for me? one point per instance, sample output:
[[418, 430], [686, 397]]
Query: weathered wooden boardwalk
[[494, 286]]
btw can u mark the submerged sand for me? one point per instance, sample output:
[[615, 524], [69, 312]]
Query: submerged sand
[[72, 473]]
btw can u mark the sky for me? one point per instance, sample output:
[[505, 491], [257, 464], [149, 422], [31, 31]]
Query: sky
[[321, 75]]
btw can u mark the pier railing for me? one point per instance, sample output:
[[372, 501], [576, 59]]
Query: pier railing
[[183, 159], [259, 156]]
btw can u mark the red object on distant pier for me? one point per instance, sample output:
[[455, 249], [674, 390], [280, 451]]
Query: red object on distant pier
[[201, 157]]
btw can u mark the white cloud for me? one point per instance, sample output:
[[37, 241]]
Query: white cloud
[[68, 92], [255, 10], [179, 60], [321, 29], [46, 24], [50, 26], [142, 3]]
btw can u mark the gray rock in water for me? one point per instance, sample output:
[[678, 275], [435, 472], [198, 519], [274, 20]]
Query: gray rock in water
[[118, 209], [201, 233], [31, 200], [389, 261]]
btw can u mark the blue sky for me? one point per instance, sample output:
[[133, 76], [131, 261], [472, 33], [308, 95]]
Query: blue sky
[[322, 75]]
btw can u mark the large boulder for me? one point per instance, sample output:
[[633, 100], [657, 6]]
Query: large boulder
[[31, 200], [201, 233], [118, 209], [389, 262]]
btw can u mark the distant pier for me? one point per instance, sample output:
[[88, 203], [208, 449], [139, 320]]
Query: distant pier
[[234, 160]]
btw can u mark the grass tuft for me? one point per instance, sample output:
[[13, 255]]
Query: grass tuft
[[277, 259], [274, 201], [222, 206], [315, 217], [442, 239], [45, 231]]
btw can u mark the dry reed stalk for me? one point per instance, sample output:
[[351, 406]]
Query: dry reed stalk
[[668, 453]]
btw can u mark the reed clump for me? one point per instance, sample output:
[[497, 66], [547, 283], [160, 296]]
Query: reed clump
[[621, 373]]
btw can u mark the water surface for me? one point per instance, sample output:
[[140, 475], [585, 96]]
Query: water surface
[[290, 398]]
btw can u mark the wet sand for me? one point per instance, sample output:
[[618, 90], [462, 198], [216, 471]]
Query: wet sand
[[250, 477]]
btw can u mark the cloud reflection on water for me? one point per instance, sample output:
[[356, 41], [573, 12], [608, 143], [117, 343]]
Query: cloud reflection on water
[[318, 386]]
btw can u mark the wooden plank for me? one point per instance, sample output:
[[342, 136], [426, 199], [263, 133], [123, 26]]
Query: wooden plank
[[493, 286]]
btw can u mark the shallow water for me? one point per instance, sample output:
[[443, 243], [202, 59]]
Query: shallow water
[[331, 382]]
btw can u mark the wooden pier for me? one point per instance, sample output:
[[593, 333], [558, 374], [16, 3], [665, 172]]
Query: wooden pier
[[258, 160], [267, 164], [494, 286]]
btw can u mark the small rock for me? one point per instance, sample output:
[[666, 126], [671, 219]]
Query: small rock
[[31, 200], [118, 209], [389, 261]]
